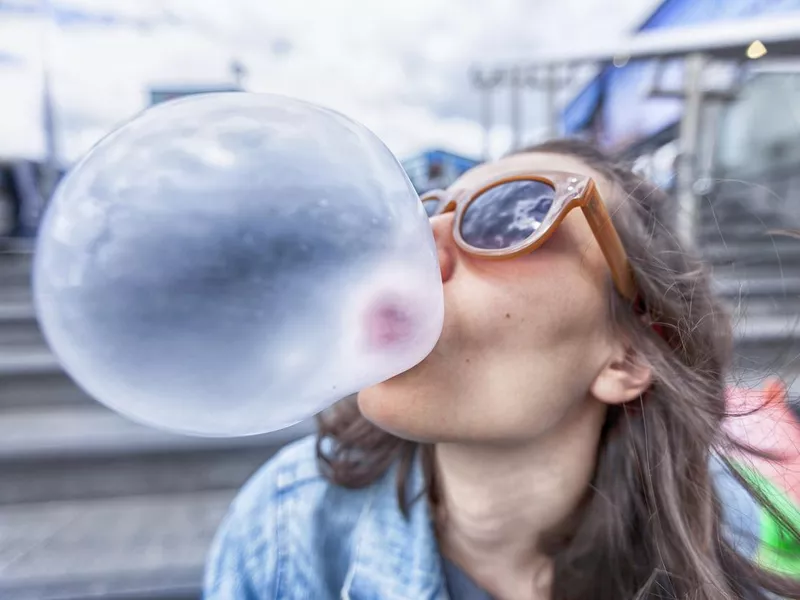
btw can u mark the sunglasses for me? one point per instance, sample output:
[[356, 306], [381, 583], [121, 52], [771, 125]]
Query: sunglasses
[[516, 213]]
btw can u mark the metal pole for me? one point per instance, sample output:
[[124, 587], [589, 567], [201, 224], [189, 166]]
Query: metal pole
[[485, 84], [515, 82], [552, 116], [486, 122], [687, 214], [239, 72], [49, 120], [547, 79], [712, 114]]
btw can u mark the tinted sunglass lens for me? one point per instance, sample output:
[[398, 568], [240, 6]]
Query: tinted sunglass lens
[[506, 214]]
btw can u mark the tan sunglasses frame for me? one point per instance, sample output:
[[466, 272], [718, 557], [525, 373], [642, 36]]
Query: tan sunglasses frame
[[571, 191]]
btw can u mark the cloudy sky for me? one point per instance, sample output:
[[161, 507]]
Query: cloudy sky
[[401, 68]]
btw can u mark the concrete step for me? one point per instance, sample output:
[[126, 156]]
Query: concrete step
[[26, 361], [87, 452], [15, 294], [90, 431], [31, 377], [148, 548], [762, 306], [762, 294], [768, 344], [18, 325], [16, 245], [728, 211], [767, 328], [763, 252], [43, 389], [755, 270], [713, 232], [15, 268], [116, 476], [756, 221], [762, 198], [763, 284]]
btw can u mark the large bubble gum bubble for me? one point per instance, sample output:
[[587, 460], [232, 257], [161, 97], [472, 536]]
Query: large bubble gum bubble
[[232, 264]]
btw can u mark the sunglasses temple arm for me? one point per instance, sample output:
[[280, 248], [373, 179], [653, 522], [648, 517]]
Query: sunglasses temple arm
[[611, 246]]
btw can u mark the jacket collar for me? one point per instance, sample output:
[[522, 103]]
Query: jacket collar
[[395, 558]]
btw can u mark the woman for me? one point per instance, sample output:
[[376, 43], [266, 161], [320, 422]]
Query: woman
[[556, 444]]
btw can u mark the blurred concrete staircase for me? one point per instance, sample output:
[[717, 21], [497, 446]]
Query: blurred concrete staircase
[[92, 505], [757, 273]]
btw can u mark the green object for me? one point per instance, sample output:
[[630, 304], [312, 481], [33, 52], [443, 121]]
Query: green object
[[779, 549]]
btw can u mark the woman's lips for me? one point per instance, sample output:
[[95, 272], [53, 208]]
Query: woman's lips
[[389, 323]]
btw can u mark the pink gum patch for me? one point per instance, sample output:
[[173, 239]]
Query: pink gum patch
[[389, 323]]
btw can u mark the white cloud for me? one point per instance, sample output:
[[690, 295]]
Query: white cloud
[[401, 69]]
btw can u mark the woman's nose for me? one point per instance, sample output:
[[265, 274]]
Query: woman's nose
[[442, 226]]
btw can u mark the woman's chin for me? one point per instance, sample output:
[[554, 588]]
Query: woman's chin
[[393, 407], [408, 404]]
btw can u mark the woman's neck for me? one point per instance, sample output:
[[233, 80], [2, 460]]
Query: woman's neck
[[496, 502]]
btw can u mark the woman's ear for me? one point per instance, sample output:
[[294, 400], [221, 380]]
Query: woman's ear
[[625, 377]]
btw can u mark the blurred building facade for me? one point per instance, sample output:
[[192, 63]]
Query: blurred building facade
[[745, 169], [750, 124]]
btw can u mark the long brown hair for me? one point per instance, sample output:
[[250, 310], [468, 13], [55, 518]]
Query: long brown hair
[[651, 524]]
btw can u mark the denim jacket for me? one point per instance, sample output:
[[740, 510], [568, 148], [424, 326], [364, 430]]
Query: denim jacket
[[291, 535]]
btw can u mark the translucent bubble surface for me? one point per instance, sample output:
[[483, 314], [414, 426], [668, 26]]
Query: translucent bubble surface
[[231, 264]]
